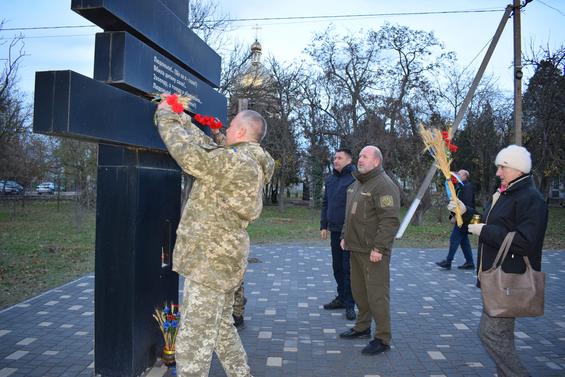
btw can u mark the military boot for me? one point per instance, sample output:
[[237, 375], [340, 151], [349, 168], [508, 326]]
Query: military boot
[[238, 322]]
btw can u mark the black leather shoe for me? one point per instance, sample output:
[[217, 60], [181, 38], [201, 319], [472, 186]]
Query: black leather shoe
[[350, 314], [375, 347], [467, 266], [335, 304], [352, 334], [444, 264]]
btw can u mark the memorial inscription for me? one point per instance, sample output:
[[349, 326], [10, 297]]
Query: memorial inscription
[[167, 79]]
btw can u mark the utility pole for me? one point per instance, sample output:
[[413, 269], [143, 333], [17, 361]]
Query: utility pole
[[517, 75]]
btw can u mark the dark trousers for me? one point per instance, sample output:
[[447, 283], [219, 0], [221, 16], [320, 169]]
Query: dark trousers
[[497, 336], [460, 237], [340, 264], [370, 283]]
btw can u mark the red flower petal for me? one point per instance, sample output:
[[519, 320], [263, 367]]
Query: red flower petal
[[208, 121], [177, 107], [172, 99], [216, 125]]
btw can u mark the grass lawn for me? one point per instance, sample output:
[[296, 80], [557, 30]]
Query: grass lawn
[[43, 245], [302, 224]]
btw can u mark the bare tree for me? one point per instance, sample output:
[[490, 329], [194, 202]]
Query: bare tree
[[206, 19], [78, 160], [452, 86], [312, 117], [349, 69], [282, 138], [418, 53], [13, 114]]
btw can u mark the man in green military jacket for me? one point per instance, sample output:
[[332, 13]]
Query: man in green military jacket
[[212, 243], [371, 221]]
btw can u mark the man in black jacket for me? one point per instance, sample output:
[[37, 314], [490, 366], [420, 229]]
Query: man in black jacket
[[333, 215], [459, 236]]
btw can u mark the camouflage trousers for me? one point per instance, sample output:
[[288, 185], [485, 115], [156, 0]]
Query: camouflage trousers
[[207, 327], [239, 301]]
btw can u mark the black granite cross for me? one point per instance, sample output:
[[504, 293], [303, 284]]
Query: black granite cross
[[145, 48]]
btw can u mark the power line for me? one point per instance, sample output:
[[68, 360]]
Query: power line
[[57, 36], [555, 9], [47, 27], [477, 55], [302, 18], [365, 15]]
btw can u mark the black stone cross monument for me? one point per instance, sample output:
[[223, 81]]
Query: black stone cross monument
[[145, 48]]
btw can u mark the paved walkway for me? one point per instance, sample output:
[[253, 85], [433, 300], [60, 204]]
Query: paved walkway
[[435, 318]]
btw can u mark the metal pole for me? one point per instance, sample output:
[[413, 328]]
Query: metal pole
[[517, 75], [416, 202], [462, 110]]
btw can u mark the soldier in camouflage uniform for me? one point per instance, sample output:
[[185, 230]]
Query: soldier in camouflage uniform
[[212, 242], [239, 299]]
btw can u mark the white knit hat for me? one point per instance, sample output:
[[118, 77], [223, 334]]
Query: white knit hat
[[515, 157]]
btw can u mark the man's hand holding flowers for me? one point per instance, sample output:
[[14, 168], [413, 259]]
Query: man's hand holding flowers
[[176, 103]]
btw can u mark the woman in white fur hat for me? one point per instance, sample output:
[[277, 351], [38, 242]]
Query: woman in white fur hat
[[516, 206]]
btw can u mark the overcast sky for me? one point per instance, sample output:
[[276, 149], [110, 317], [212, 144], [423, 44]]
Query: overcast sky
[[543, 23]]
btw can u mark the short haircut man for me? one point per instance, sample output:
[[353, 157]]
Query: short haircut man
[[331, 219], [256, 123], [226, 195], [346, 151]]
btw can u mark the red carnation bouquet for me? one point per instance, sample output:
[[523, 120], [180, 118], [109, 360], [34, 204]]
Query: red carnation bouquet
[[176, 106], [206, 120], [180, 103]]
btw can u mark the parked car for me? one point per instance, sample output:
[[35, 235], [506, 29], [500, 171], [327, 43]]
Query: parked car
[[46, 188], [11, 188]]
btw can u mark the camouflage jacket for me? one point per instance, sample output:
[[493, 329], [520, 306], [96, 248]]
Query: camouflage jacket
[[212, 243]]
